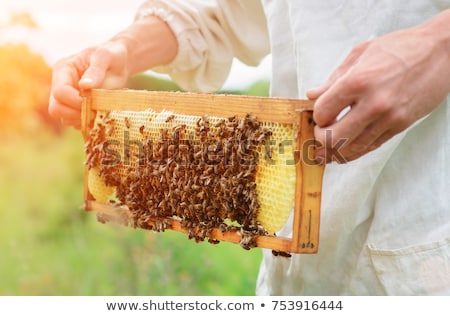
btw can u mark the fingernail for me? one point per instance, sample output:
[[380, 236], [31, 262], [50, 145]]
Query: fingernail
[[86, 81]]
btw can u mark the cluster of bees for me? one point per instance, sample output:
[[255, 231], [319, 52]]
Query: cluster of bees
[[204, 177]]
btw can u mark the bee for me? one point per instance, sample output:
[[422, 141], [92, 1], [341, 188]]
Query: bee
[[245, 242], [281, 254], [261, 137], [170, 118], [213, 241], [141, 129], [269, 152], [252, 120], [127, 122], [184, 148], [201, 195], [109, 131], [285, 254], [108, 120], [198, 155], [220, 123], [179, 128]]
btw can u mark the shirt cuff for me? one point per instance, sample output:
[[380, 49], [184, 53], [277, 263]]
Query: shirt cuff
[[187, 37]]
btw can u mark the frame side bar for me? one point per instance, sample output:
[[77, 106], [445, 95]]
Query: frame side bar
[[308, 193]]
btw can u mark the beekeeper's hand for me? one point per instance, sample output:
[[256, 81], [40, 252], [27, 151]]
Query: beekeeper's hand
[[387, 84], [144, 44]]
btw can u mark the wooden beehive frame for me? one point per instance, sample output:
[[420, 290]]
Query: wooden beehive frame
[[306, 219]]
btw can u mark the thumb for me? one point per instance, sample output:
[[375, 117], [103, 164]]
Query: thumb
[[92, 78], [96, 77], [106, 68]]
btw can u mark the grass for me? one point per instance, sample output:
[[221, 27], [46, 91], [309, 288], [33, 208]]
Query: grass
[[50, 246]]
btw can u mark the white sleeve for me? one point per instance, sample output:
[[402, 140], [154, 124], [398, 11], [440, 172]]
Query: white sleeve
[[210, 34]]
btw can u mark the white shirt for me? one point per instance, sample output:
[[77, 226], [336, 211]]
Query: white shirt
[[385, 217]]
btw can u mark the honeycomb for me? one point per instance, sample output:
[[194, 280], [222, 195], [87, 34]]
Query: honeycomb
[[97, 187], [276, 179], [150, 162]]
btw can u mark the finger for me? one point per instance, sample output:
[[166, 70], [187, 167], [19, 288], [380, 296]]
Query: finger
[[315, 93], [67, 95], [64, 85], [60, 110], [75, 123], [390, 129], [336, 139], [375, 144], [106, 67], [364, 141], [332, 153], [330, 104], [95, 74]]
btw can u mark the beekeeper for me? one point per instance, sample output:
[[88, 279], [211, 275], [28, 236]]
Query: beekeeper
[[379, 72]]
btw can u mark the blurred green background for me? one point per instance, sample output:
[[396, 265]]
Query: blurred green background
[[50, 246]]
